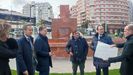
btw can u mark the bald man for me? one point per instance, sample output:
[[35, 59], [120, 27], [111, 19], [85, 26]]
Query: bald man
[[127, 55]]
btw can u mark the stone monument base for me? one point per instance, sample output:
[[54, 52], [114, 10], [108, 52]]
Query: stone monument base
[[57, 47]]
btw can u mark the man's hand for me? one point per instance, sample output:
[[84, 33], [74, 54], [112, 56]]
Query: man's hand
[[25, 73], [106, 61], [71, 53], [113, 45], [119, 40], [50, 54]]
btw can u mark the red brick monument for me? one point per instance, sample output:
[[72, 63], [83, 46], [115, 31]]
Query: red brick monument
[[61, 29], [63, 26]]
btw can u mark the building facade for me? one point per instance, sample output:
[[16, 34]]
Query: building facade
[[114, 13], [81, 11], [73, 12], [42, 12], [29, 9], [15, 18], [130, 11]]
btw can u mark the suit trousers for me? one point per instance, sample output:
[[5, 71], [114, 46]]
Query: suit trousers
[[105, 71], [45, 71], [81, 67], [5, 70]]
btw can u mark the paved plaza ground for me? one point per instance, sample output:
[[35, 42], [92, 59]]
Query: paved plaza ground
[[63, 65]]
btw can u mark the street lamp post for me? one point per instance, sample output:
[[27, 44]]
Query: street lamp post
[[30, 13], [123, 23], [106, 26], [121, 29], [31, 5]]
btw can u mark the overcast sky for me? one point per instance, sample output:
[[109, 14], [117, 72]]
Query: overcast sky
[[17, 4]]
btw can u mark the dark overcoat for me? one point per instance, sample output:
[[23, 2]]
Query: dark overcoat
[[42, 51], [24, 56], [8, 50], [126, 58]]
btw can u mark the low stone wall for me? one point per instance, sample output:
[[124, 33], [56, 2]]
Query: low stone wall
[[58, 47]]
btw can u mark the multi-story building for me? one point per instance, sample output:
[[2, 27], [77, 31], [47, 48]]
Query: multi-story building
[[113, 13], [73, 12], [29, 9], [15, 18], [42, 12], [130, 11], [90, 10], [81, 11]]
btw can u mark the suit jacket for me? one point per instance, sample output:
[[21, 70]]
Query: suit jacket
[[126, 58], [8, 50], [42, 51], [24, 57]]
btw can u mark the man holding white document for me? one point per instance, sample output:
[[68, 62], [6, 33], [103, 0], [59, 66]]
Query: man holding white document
[[101, 38]]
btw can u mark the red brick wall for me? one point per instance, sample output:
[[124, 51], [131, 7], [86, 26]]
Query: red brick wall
[[64, 11], [58, 48], [59, 25]]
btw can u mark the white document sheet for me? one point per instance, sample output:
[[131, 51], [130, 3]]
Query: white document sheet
[[105, 51]]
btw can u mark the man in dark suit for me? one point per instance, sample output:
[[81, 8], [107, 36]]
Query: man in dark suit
[[98, 62], [127, 55], [8, 49], [43, 52], [26, 54]]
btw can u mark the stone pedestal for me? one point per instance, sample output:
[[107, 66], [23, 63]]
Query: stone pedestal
[[58, 48]]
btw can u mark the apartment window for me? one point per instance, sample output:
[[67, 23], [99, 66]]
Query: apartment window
[[93, 17], [113, 1], [110, 6], [101, 6], [97, 18], [102, 13], [102, 17], [101, 2], [103, 10]]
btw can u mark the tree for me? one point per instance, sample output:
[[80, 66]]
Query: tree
[[85, 24], [41, 22]]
